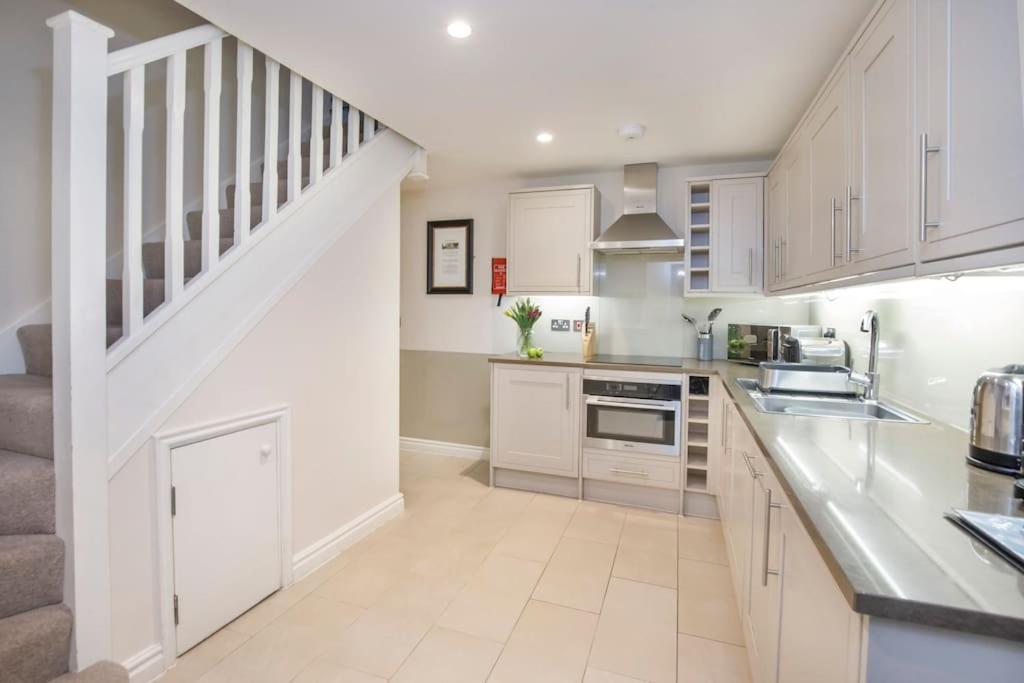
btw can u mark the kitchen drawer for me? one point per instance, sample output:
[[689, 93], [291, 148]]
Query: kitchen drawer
[[631, 470]]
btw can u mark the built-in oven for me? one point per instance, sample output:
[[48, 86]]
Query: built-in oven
[[632, 413]]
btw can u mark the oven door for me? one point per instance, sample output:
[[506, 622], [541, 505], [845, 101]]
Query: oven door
[[632, 425]]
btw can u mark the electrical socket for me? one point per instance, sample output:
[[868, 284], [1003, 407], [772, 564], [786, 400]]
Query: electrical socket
[[559, 325]]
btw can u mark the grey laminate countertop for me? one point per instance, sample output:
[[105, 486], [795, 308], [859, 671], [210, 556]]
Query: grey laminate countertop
[[872, 495]]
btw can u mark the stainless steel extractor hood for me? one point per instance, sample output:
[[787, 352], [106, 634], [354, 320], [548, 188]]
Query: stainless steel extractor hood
[[640, 228]]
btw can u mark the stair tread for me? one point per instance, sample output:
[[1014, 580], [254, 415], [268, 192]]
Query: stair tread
[[34, 645], [153, 257], [31, 572], [27, 495], [26, 414], [100, 672], [37, 348], [194, 221]]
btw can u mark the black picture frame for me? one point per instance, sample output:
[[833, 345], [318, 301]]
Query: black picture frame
[[465, 284]]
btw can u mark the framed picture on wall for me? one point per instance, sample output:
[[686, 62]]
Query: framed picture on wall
[[450, 256]]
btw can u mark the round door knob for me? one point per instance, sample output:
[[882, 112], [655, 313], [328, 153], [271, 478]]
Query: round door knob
[[265, 450]]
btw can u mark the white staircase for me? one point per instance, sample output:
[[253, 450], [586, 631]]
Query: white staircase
[[127, 351]]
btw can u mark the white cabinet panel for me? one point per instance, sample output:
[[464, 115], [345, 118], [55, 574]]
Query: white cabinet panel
[[828, 137], [761, 619], [549, 236], [970, 89], [535, 418], [878, 211], [736, 240]]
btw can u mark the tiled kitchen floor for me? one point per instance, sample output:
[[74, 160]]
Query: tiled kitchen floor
[[480, 584]]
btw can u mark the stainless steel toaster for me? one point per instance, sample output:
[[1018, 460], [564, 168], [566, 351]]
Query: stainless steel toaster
[[997, 420]]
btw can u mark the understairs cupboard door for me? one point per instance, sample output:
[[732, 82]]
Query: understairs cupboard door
[[225, 527]]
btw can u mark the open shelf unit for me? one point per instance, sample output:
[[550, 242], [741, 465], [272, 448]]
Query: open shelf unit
[[698, 237], [698, 426]]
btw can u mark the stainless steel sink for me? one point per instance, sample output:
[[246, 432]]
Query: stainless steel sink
[[817, 405]]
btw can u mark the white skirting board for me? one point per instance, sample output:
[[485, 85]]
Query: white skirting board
[[145, 665], [307, 560], [451, 450]]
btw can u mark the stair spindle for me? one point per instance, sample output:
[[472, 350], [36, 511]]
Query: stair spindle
[[211, 153], [294, 137], [270, 140], [316, 133], [369, 127], [134, 120], [353, 129], [337, 130], [174, 258], [243, 144]]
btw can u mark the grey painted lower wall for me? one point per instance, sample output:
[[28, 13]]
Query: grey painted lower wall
[[445, 397]]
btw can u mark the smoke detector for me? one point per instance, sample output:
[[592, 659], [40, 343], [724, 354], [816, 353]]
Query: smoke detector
[[632, 131]]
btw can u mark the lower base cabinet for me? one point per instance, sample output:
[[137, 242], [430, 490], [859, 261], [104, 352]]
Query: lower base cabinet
[[797, 625]]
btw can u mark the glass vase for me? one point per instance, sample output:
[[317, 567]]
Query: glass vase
[[524, 340]]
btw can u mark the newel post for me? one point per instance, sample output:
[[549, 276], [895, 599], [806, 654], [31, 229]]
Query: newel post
[[78, 224]]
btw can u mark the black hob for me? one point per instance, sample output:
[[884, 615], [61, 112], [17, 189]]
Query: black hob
[[659, 361]]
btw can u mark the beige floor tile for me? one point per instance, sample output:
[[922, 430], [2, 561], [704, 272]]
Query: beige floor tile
[[446, 656], [709, 661], [649, 535], [707, 605], [663, 520], [326, 619], [277, 653], [702, 539], [530, 540], [550, 643], [598, 676], [494, 598], [366, 578], [257, 618], [577, 574], [459, 556], [553, 509], [636, 633], [218, 646], [324, 670], [597, 522], [379, 641], [648, 566], [417, 595]]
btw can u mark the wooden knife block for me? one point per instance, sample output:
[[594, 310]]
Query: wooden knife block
[[590, 342]]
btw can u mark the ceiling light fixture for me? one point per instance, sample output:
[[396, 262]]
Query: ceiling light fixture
[[545, 138], [459, 29]]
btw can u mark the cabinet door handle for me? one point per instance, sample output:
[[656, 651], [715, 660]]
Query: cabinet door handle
[[782, 257], [579, 260], [850, 198], [750, 467], [750, 266], [567, 392], [632, 473], [775, 260], [768, 506], [925, 151], [835, 208]]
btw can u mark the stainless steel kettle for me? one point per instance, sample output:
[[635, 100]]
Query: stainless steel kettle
[[997, 421]]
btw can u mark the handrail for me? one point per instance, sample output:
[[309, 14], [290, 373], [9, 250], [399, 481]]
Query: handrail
[[124, 59]]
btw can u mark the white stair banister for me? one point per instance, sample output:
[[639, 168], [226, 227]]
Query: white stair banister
[[243, 144], [337, 130], [212, 77], [270, 139], [132, 275], [368, 127], [295, 137], [78, 274], [353, 129], [174, 258], [316, 142]]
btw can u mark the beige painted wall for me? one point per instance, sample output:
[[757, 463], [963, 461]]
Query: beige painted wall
[[329, 350], [446, 397]]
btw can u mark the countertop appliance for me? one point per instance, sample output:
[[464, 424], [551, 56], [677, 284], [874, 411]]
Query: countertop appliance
[[997, 421], [815, 351], [632, 413], [753, 344]]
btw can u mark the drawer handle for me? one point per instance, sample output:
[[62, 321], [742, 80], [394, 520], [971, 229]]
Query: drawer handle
[[633, 473], [768, 507], [750, 466], [926, 149]]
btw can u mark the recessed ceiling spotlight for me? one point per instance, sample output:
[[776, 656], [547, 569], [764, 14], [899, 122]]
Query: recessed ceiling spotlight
[[545, 138], [459, 29]]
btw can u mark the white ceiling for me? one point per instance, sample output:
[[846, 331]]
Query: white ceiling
[[713, 80]]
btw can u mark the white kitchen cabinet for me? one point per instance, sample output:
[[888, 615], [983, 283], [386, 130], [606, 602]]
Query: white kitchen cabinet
[[827, 132], [789, 213], [819, 635], [742, 481], [737, 228], [970, 129], [535, 418], [549, 237], [725, 235], [761, 617], [878, 209]]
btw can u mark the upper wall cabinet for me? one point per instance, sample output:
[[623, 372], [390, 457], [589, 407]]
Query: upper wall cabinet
[[725, 235], [971, 131], [863, 187], [549, 236]]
